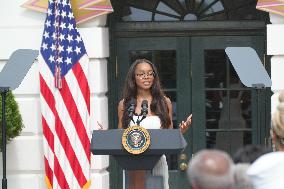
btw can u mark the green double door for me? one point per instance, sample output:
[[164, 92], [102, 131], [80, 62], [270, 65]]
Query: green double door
[[198, 77]]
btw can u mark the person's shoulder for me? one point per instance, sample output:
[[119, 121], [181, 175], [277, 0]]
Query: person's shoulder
[[120, 104], [168, 100], [121, 101]]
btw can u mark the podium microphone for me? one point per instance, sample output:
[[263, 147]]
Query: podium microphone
[[131, 109], [144, 108], [144, 111]]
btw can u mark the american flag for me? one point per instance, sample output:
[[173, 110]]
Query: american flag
[[65, 100]]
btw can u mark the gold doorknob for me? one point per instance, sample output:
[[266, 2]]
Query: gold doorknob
[[183, 166]]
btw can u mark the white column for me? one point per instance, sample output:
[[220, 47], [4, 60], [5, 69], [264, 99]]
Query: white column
[[22, 28]]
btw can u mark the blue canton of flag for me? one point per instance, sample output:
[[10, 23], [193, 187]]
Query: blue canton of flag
[[62, 45]]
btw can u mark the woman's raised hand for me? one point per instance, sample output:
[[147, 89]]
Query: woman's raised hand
[[184, 125]]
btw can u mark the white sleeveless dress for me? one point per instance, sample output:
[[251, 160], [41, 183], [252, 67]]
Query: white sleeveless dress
[[161, 168]]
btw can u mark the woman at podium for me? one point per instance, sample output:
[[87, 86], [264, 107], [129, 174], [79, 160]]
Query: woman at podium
[[142, 86]]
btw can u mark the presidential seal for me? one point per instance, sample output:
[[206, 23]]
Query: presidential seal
[[136, 139]]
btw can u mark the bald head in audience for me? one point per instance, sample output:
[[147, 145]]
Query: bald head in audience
[[211, 169]]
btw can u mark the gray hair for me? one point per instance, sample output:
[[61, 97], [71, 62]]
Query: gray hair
[[242, 180], [211, 169]]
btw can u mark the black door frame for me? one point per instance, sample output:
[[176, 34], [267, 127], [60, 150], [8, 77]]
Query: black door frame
[[166, 29], [181, 46]]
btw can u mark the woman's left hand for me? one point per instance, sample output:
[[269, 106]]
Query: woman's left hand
[[184, 125]]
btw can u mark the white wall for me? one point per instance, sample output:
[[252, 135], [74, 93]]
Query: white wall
[[275, 47], [21, 28]]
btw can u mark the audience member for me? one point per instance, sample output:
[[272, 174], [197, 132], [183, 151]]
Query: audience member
[[267, 171], [249, 153], [277, 128], [242, 180], [211, 169]]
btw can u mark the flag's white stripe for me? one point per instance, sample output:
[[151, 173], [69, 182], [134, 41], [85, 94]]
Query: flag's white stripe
[[72, 134], [47, 114], [84, 62], [45, 71], [77, 95], [64, 164], [55, 183], [80, 100], [57, 150], [48, 154], [66, 120], [49, 117]]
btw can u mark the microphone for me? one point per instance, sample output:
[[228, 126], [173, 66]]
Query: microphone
[[144, 108], [131, 109], [144, 111]]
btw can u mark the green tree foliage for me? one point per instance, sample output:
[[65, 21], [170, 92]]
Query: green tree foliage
[[14, 123]]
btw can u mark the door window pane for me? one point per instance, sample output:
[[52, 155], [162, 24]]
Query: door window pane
[[214, 107], [215, 63], [228, 104], [239, 109], [246, 108], [165, 62], [227, 141]]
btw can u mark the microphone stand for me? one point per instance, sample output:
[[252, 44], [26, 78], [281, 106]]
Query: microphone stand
[[258, 87], [4, 91], [130, 113], [139, 121], [144, 111], [131, 117]]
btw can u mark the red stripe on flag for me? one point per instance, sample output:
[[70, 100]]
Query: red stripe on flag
[[70, 154], [47, 134], [75, 116], [47, 94], [48, 171], [60, 175], [60, 131], [84, 86]]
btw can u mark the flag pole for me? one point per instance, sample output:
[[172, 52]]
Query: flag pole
[[4, 91]]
